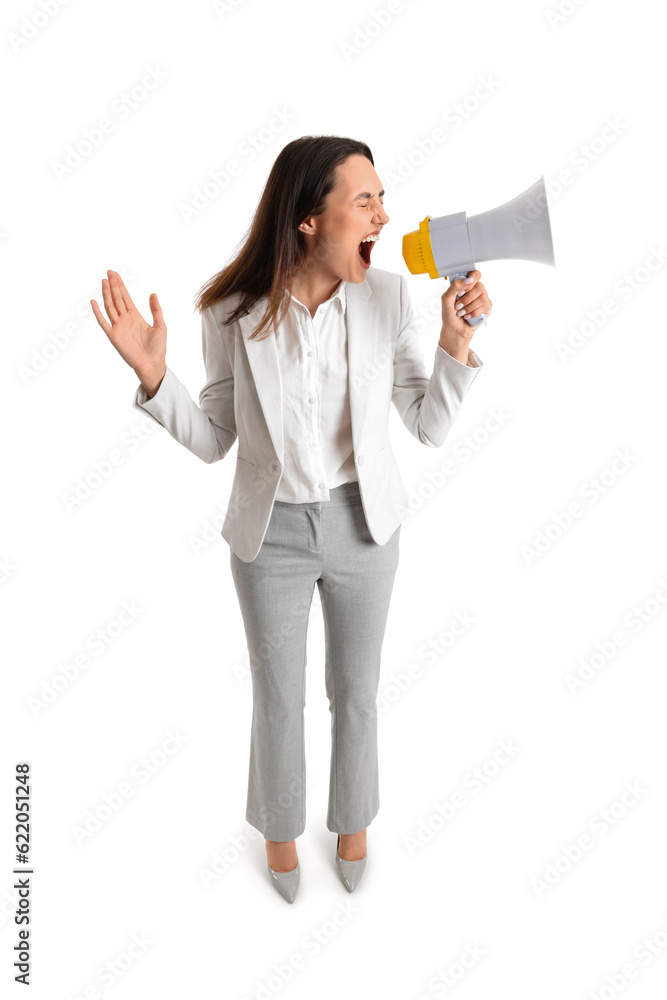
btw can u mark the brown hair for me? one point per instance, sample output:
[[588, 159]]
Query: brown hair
[[274, 249]]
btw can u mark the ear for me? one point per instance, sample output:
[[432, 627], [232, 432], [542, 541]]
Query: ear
[[307, 226]]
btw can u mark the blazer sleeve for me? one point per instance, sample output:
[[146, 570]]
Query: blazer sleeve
[[207, 430], [427, 406]]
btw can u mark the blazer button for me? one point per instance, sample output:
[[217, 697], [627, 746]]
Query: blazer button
[[360, 460], [276, 467]]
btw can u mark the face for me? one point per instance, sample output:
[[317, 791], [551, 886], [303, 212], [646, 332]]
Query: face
[[353, 210]]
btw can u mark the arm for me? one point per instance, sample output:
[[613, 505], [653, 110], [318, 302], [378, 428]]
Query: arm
[[207, 430], [428, 407]]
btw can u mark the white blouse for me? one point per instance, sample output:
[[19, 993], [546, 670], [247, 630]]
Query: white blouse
[[312, 353], [317, 427]]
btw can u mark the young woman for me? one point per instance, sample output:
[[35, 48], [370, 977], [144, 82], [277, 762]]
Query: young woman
[[305, 347]]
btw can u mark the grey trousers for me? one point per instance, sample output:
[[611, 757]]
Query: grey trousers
[[325, 542]]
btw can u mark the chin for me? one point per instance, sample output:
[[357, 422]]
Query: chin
[[357, 275]]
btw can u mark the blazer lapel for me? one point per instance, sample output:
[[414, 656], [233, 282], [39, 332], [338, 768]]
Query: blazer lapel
[[362, 333]]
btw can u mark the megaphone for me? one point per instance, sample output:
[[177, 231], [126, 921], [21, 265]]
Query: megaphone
[[448, 246]]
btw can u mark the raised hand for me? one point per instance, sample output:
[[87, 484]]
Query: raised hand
[[143, 347]]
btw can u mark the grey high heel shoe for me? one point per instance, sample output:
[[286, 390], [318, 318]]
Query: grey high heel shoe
[[286, 883], [350, 871]]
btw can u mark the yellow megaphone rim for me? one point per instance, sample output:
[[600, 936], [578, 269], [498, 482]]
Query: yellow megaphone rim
[[426, 248], [417, 250]]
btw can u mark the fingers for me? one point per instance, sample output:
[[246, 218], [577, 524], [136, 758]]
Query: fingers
[[475, 300], [459, 286], [125, 297], [480, 305], [108, 301], [470, 299], [460, 283], [117, 292], [116, 297], [99, 317], [155, 309]]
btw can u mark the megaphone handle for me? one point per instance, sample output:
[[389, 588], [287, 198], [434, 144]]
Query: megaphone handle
[[474, 320]]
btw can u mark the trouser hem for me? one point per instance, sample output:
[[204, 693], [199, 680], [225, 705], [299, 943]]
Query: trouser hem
[[269, 834]]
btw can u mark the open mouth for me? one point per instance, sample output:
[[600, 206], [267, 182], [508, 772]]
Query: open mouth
[[365, 253]]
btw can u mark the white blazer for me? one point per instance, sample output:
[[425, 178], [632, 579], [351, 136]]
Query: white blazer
[[242, 399]]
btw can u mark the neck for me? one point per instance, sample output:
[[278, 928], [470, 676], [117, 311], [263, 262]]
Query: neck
[[313, 288]]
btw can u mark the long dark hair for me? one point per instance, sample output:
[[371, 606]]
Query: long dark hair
[[274, 249]]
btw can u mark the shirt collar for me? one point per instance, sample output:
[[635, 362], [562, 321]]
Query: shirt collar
[[339, 294]]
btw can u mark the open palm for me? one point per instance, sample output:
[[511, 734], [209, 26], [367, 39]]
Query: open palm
[[143, 347]]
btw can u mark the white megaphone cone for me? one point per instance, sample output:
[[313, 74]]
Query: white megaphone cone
[[450, 245]]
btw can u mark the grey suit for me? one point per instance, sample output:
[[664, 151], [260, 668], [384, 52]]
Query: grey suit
[[347, 545], [242, 398], [325, 542]]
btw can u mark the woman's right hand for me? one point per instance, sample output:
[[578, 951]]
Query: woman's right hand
[[143, 347]]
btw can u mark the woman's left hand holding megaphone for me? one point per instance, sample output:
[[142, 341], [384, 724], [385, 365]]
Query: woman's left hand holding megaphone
[[473, 302]]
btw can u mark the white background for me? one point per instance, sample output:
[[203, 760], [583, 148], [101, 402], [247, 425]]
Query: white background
[[519, 91]]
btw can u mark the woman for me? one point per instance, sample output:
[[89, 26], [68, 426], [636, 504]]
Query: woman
[[305, 347]]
